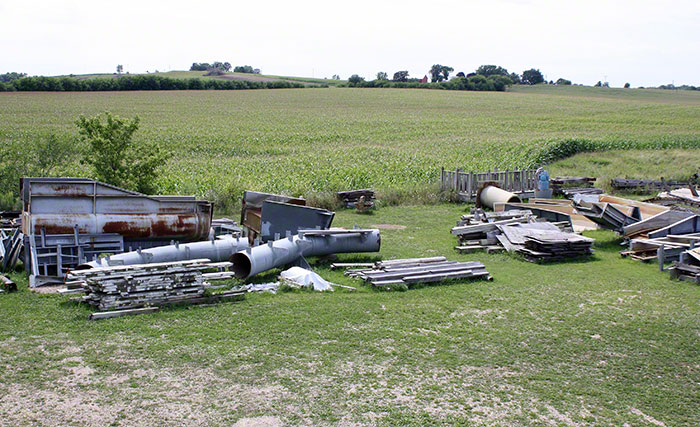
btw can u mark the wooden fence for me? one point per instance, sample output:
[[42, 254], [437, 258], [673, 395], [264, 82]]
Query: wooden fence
[[467, 183]]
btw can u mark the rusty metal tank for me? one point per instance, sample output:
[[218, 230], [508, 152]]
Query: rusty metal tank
[[58, 205]]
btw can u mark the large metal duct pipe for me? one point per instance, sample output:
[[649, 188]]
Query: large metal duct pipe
[[217, 250], [285, 251], [489, 195]]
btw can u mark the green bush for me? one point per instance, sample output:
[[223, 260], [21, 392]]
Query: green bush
[[115, 158]]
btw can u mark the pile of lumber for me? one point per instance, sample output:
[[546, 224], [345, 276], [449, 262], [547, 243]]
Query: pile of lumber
[[137, 286], [544, 242], [570, 185], [647, 184], [478, 231], [10, 219], [552, 210], [681, 197], [556, 245], [418, 270], [360, 199], [688, 268]]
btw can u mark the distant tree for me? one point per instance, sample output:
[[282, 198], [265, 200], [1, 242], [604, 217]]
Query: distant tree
[[532, 77], [382, 76], [354, 80], [227, 66], [256, 71], [8, 77], [400, 76], [461, 74], [599, 84], [515, 78], [203, 66], [439, 72], [491, 70], [627, 85], [336, 77], [120, 69], [244, 69], [114, 156], [563, 82], [606, 84]]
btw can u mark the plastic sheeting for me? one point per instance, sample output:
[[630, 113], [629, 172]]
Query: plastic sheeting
[[306, 278]]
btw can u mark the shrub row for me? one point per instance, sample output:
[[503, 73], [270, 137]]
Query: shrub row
[[557, 150], [477, 82], [139, 82]]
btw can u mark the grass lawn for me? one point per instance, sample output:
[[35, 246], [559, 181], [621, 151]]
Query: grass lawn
[[605, 341]]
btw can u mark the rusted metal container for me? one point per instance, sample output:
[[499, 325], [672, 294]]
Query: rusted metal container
[[58, 205]]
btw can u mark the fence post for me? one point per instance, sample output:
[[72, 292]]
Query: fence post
[[442, 178], [471, 185], [456, 186]]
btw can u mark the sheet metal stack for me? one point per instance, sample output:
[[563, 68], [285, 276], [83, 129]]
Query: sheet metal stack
[[544, 242], [418, 270], [137, 286]]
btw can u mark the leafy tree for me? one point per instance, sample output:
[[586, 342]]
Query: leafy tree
[[354, 80], [563, 82], [336, 77], [244, 69], [8, 77], [439, 72], [400, 76], [627, 85], [499, 82], [204, 66], [120, 69], [382, 76], [491, 70], [227, 66], [599, 84], [115, 158], [515, 78], [460, 74], [532, 77]]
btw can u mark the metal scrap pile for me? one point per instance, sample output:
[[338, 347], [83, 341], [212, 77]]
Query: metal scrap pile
[[410, 271], [688, 268], [521, 231], [137, 286], [11, 246]]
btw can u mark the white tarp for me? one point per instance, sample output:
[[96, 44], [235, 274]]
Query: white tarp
[[306, 278]]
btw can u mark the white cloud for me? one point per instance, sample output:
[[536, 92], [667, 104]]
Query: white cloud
[[643, 42]]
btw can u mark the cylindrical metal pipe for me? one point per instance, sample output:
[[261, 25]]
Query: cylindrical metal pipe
[[217, 250], [491, 195], [265, 257]]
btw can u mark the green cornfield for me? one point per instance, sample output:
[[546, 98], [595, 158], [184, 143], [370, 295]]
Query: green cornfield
[[312, 140]]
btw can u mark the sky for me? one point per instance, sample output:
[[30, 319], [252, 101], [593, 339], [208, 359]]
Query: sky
[[645, 43]]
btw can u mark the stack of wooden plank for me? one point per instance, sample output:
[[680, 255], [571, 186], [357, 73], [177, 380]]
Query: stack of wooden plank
[[555, 245], [570, 185], [418, 270], [478, 231], [360, 199], [648, 184], [688, 268], [544, 241], [137, 286]]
